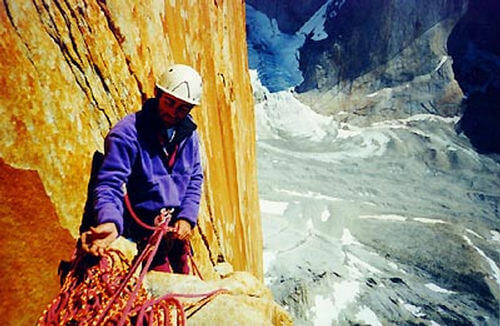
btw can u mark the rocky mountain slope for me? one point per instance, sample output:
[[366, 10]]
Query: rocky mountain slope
[[376, 208], [473, 44], [70, 70]]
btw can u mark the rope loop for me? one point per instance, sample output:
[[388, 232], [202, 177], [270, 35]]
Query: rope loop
[[105, 290]]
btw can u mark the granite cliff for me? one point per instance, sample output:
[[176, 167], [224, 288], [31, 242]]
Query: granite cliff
[[473, 44], [69, 71], [378, 58], [383, 59]]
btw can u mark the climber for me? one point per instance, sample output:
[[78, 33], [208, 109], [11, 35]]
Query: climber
[[154, 154]]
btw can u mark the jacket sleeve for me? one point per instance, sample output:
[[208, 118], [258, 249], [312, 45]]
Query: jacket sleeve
[[120, 153], [190, 204]]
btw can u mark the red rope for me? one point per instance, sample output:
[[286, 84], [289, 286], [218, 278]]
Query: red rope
[[159, 234], [195, 268], [160, 231], [194, 295], [73, 302], [135, 217], [147, 254], [123, 284], [149, 227]]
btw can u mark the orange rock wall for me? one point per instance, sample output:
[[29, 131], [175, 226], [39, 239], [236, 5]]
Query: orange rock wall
[[70, 69], [29, 260]]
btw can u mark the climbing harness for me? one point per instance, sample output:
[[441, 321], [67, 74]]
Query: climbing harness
[[107, 290], [162, 219]]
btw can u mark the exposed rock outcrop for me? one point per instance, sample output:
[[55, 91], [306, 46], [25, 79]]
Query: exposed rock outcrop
[[71, 69], [383, 58], [366, 35], [473, 44], [386, 215], [29, 229], [247, 301]]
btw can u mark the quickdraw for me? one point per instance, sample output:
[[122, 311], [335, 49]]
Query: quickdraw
[[106, 290]]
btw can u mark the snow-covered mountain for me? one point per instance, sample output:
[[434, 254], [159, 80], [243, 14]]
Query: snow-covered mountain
[[378, 218]]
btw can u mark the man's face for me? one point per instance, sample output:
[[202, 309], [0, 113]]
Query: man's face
[[171, 110]]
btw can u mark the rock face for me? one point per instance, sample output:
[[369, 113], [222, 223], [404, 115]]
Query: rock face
[[473, 44], [72, 69], [365, 35], [381, 55], [29, 261], [377, 212], [246, 302]]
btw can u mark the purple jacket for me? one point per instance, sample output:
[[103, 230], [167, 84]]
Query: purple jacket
[[134, 156]]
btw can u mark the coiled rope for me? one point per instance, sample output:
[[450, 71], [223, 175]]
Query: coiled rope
[[105, 291]]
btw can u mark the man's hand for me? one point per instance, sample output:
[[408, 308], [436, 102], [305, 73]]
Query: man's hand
[[182, 229], [98, 238]]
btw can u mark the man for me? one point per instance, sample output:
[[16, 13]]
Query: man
[[155, 153]]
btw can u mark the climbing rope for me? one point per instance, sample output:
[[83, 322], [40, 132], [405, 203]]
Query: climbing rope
[[161, 220], [106, 291]]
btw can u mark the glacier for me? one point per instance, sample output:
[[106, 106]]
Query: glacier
[[392, 223], [393, 220]]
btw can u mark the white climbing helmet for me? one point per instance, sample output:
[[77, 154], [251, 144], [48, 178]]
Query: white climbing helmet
[[182, 82]]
